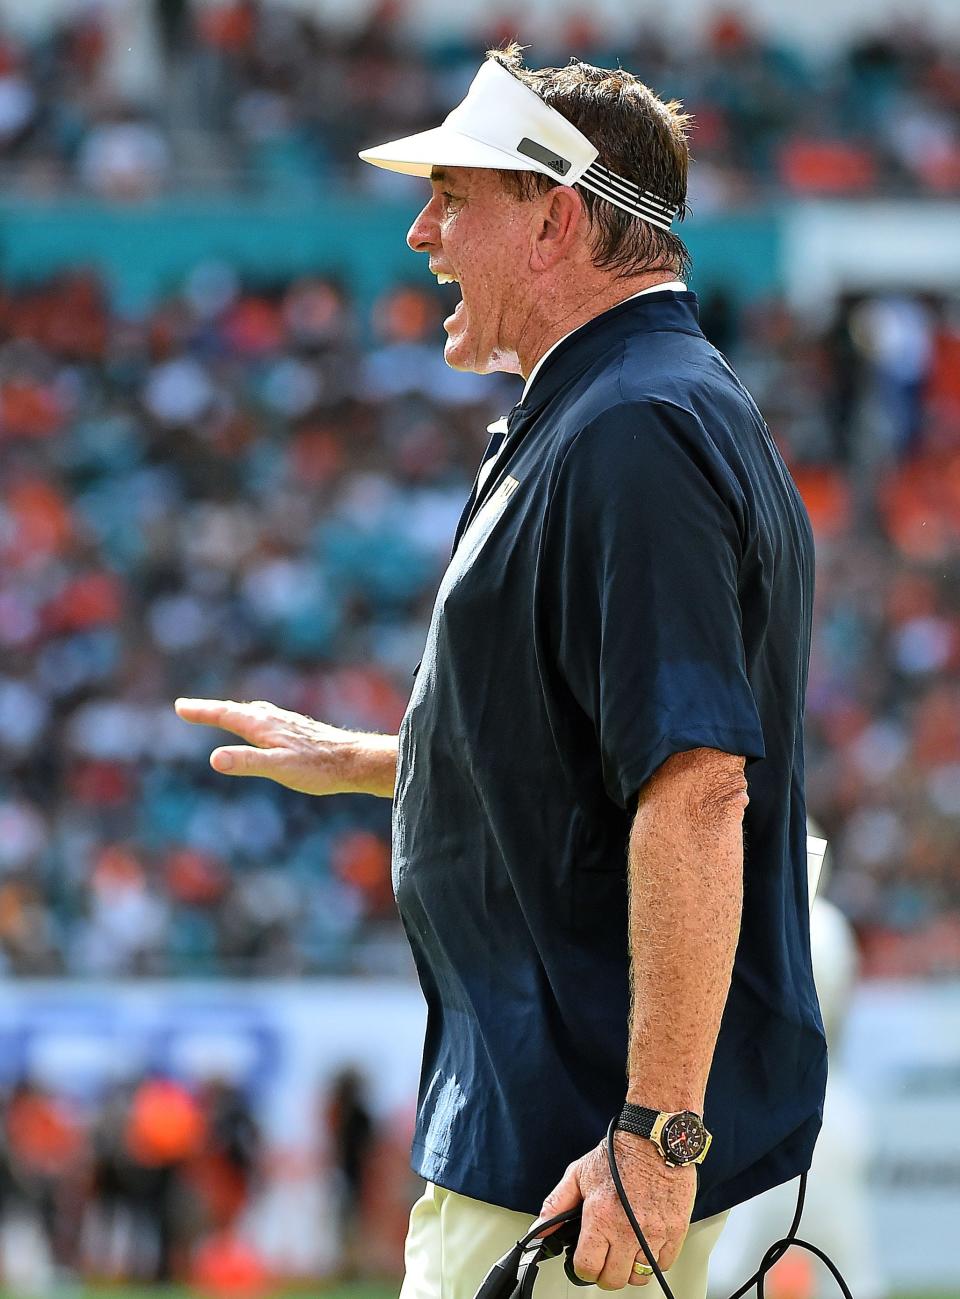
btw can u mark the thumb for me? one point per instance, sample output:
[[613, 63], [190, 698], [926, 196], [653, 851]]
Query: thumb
[[244, 760], [565, 1195]]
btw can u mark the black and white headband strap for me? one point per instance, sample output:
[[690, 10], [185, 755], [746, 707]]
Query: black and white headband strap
[[606, 184], [627, 195], [603, 182]]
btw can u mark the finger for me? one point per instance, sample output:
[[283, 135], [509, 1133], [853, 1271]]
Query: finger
[[669, 1252], [666, 1257], [241, 760], [642, 1258], [212, 712], [590, 1257], [593, 1246], [618, 1267], [252, 722], [565, 1195]]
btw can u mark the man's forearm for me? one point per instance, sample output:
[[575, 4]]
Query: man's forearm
[[371, 766], [686, 892]]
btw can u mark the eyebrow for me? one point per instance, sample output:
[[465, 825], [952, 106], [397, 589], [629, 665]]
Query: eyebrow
[[440, 175]]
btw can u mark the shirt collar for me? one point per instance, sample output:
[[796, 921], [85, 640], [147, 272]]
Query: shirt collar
[[654, 313], [671, 286]]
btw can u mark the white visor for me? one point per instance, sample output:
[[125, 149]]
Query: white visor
[[504, 124]]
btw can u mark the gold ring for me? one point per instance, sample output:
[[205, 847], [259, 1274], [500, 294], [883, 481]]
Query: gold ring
[[641, 1269]]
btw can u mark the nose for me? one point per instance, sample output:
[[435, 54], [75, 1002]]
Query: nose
[[424, 235]]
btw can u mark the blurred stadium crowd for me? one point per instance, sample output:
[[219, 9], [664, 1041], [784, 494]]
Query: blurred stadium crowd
[[232, 495], [250, 490], [269, 94]]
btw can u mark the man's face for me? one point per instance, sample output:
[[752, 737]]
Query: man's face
[[480, 235]]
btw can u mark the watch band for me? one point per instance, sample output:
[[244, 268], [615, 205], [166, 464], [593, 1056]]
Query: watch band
[[637, 1119], [680, 1137]]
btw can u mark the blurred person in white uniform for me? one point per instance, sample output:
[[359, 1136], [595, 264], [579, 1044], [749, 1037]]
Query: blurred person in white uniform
[[836, 1213]]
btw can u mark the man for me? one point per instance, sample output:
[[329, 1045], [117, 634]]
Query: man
[[623, 627]]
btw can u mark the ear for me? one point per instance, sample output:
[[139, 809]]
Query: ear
[[561, 221]]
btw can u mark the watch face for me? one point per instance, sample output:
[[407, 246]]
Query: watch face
[[684, 1138]]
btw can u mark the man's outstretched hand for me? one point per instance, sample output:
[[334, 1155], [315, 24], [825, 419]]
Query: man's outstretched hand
[[296, 751], [661, 1198]]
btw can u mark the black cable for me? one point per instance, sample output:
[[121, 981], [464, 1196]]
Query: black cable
[[628, 1210], [514, 1275], [778, 1248], [772, 1256], [827, 1262], [570, 1215]]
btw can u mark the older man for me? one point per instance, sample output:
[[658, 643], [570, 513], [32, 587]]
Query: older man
[[617, 658]]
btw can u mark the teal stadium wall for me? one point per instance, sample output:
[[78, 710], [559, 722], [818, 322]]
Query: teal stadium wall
[[144, 251]]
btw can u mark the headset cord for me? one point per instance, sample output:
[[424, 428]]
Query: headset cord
[[773, 1254], [778, 1248]]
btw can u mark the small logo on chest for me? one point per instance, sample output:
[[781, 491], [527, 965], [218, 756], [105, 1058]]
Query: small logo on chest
[[480, 527]]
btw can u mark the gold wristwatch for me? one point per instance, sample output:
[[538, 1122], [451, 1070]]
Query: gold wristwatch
[[680, 1137]]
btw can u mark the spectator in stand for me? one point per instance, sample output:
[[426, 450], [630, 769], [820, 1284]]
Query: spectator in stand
[[123, 157]]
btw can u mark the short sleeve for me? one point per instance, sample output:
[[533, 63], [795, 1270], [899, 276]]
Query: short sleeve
[[643, 551]]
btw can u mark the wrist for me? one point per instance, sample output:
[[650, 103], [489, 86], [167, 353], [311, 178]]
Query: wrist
[[369, 764], [679, 1137], [671, 1099]]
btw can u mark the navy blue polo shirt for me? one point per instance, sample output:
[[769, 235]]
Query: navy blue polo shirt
[[633, 579]]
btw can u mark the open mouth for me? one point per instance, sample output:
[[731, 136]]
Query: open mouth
[[454, 316], [444, 277]]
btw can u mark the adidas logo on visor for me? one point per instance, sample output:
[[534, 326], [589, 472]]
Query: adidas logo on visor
[[553, 160]]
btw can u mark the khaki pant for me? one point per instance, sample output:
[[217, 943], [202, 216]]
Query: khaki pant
[[453, 1242]]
